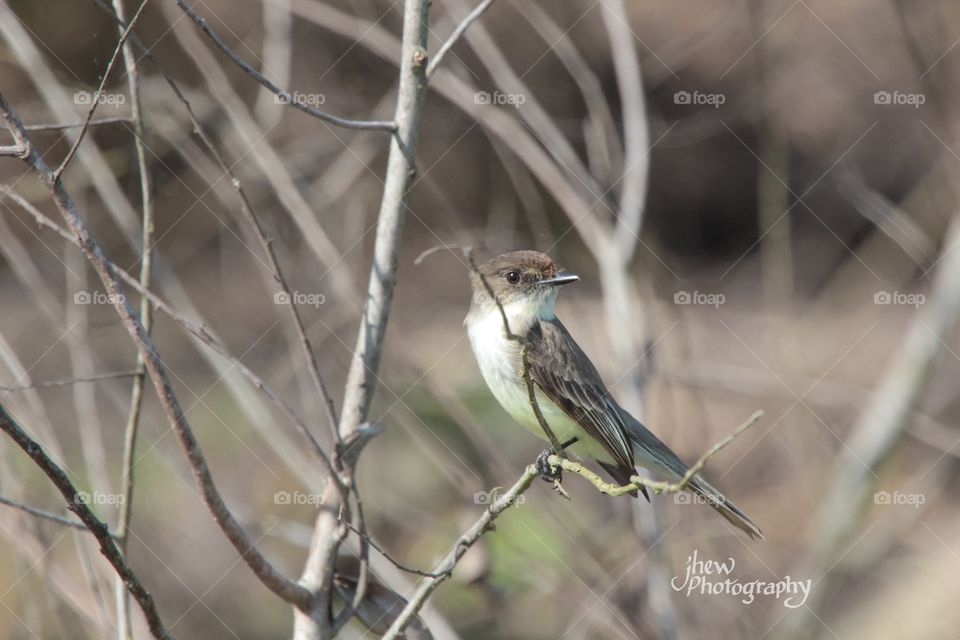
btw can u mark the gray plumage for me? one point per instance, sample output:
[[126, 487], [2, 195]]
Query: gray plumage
[[570, 392]]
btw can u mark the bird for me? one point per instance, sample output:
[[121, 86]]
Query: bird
[[521, 287]]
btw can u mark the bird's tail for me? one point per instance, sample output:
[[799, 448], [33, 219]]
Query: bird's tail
[[724, 507], [653, 454]]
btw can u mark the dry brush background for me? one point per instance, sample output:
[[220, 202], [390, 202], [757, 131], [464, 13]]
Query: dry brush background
[[762, 196]]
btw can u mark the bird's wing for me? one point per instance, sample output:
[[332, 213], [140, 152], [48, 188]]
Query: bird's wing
[[561, 369]]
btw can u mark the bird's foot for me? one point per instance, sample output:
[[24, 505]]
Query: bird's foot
[[547, 471]]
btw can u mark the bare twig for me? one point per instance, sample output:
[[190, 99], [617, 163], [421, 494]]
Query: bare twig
[[90, 521], [124, 624], [47, 515], [532, 113], [68, 381], [381, 550], [267, 245], [249, 140], [636, 161], [452, 40], [277, 55], [363, 578], [95, 122], [285, 96], [517, 137], [95, 101], [268, 574], [446, 566], [361, 378]]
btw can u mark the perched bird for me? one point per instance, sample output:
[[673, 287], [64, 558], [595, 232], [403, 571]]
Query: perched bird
[[571, 396]]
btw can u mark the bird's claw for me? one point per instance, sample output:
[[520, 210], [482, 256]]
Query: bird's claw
[[545, 470]]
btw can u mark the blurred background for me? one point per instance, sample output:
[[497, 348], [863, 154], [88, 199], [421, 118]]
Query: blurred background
[[758, 194]]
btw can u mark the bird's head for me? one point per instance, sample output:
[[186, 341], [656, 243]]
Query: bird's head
[[524, 282]]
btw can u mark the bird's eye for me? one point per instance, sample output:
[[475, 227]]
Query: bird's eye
[[513, 277]]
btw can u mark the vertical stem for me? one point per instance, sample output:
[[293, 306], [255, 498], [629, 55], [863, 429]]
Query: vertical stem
[[361, 379], [124, 626]]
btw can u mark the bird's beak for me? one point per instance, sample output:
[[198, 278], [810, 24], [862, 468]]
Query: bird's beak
[[560, 278]]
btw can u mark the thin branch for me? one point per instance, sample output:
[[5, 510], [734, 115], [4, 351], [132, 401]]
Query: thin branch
[[267, 245], [362, 375], [47, 515], [95, 122], [417, 572], [269, 575], [452, 40], [446, 566], [90, 521], [636, 161], [124, 623], [285, 96], [95, 102], [68, 381], [363, 577]]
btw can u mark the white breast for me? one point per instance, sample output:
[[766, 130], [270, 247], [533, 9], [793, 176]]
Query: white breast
[[500, 365]]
